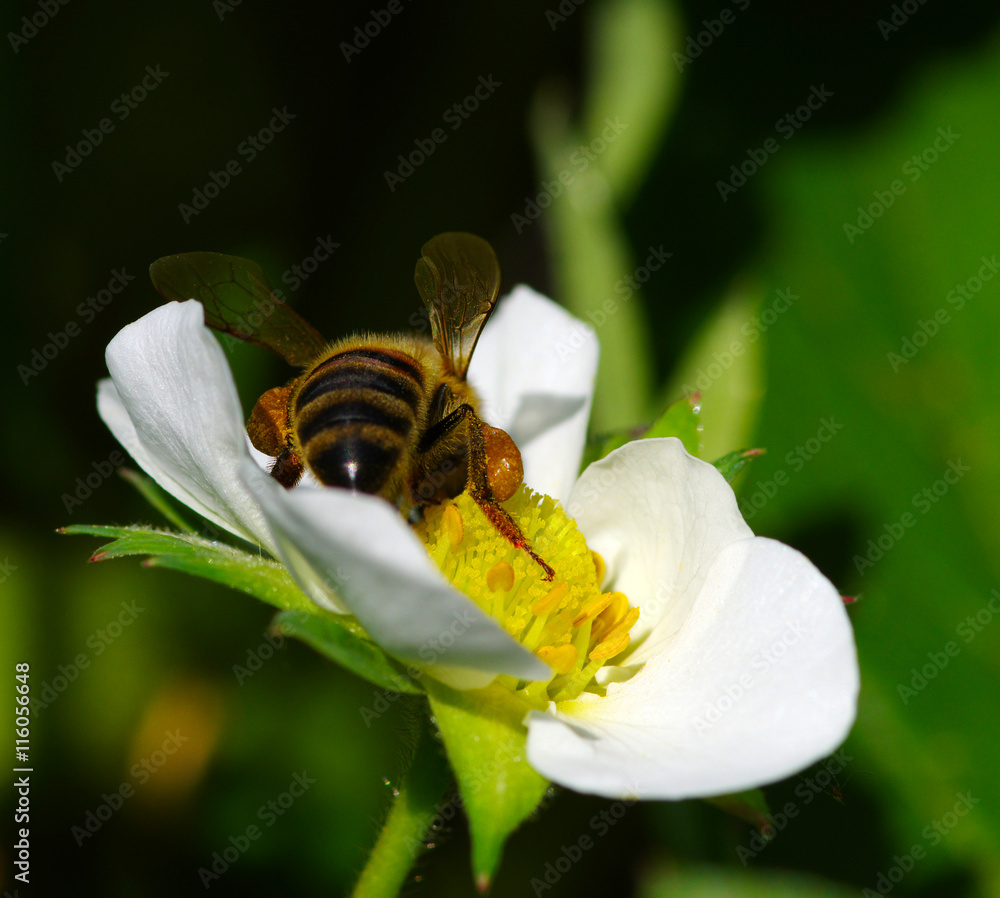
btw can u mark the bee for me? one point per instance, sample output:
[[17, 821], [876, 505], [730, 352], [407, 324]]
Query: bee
[[388, 415]]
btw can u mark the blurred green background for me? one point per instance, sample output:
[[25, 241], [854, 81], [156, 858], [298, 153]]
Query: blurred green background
[[903, 108]]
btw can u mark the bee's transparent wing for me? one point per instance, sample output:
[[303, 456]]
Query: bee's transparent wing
[[458, 277], [238, 300]]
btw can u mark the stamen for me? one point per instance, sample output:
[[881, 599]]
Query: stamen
[[451, 521], [500, 577], [593, 608], [552, 600], [615, 611], [610, 647], [561, 658], [599, 566], [571, 625]]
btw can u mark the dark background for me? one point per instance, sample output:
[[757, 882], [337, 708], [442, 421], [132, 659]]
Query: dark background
[[324, 176]]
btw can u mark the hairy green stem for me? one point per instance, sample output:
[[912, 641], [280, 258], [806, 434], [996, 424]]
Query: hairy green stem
[[417, 801]]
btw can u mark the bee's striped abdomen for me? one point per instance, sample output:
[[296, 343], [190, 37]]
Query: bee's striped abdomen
[[356, 414]]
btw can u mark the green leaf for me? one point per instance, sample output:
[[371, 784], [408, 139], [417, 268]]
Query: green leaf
[[486, 745], [729, 883], [838, 355], [600, 446], [340, 638], [681, 420], [730, 465], [724, 363], [750, 806], [255, 575]]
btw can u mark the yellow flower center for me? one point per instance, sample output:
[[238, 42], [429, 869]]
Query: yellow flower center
[[568, 622]]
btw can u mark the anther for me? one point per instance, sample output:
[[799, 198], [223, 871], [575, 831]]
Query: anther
[[551, 600], [610, 647], [599, 566], [593, 608], [500, 577], [451, 521], [561, 658]]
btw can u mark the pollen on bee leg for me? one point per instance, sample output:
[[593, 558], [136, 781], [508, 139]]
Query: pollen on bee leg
[[500, 577], [451, 522], [561, 658]]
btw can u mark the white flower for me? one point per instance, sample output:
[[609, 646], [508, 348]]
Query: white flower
[[742, 667]]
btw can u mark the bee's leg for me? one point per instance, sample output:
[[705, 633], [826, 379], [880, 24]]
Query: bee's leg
[[287, 468], [477, 481], [270, 432]]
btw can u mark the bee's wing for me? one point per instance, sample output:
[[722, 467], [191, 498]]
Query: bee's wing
[[458, 277], [238, 300]]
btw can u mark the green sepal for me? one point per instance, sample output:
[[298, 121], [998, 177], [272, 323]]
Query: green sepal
[[605, 444], [340, 638], [336, 636], [750, 806], [679, 420], [733, 462], [255, 575], [486, 743]]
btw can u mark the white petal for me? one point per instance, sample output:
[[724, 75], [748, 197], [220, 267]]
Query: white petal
[[359, 548], [534, 370], [173, 405], [760, 682], [659, 517]]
